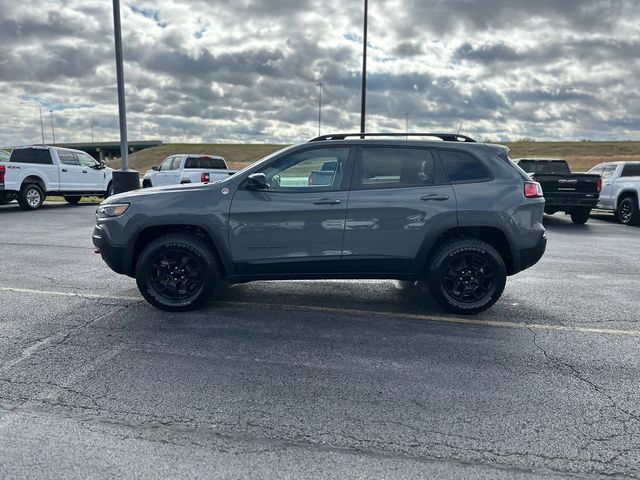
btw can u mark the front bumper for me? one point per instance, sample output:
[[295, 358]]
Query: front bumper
[[531, 256], [115, 257]]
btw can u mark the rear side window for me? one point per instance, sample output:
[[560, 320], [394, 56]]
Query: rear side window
[[37, 156], [462, 167], [393, 168], [631, 170], [206, 162], [67, 158], [597, 170], [609, 170]]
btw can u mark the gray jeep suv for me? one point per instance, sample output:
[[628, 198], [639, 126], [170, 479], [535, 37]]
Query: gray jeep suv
[[450, 211]]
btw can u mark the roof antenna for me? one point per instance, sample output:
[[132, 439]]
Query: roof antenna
[[459, 128]]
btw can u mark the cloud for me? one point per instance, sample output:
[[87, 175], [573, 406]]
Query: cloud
[[207, 70]]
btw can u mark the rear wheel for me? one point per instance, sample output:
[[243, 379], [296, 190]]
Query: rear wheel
[[628, 212], [31, 197], [72, 200], [177, 272], [467, 276], [579, 216], [4, 199]]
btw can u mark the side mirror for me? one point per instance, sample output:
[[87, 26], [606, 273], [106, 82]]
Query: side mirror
[[257, 181], [155, 169]]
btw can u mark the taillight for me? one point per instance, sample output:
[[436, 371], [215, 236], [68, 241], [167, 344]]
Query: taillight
[[204, 178], [3, 170], [599, 184], [532, 190]]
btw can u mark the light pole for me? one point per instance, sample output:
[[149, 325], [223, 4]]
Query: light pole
[[53, 133], [125, 179], [406, 125], [92, 133], [319, 85], [363, 100], [41, 121]]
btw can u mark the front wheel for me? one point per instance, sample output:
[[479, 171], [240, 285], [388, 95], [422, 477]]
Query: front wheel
[[72, 200], [579, 216], [109, 191], [177, 272], [628, 213], [31, 197], [467, 276]]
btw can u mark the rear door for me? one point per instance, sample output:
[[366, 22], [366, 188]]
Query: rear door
[[71, 177], [293, 227], [399, 197]]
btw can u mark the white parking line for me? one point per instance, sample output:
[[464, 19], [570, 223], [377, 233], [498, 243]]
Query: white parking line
[[333, 310]]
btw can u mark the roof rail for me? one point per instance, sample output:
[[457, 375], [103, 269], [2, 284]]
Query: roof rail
[[447, 137]]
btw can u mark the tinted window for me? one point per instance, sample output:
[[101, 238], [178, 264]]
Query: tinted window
[[597, 170], [550, 167], [206, 162], [302, 172], [31, 155], [68, 158], [394, 167], [609, 170], [176, 163], [462, 167], [631, 170]]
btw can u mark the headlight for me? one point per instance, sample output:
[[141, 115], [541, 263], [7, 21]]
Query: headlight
[[111, 210]]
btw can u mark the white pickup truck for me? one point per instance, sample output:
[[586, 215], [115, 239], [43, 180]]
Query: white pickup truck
[[187, 168], [32, 173], [620, 190]]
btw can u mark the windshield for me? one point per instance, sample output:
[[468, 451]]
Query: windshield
[[264, 159]]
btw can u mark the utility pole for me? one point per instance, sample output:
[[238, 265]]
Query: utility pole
[[125, 179], [363, 100], [319, 85], [37, 102], [406, 126], [53, 133], [92, 133]]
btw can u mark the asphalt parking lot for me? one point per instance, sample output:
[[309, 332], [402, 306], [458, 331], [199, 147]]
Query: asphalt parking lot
[[304, 379]]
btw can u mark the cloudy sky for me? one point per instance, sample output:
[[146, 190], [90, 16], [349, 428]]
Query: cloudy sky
[[246, 70]]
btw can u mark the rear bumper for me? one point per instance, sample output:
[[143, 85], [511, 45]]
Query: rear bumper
[[563, 201], [531, 256]]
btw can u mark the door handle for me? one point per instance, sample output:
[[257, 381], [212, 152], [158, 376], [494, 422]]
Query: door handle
[[64, 170], [435, 197], [84, 171], [327, 201]]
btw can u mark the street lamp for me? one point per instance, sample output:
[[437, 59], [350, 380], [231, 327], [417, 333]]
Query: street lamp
[[125, 179], [319, 85], [53, 133], [363, 100], [39, 110]]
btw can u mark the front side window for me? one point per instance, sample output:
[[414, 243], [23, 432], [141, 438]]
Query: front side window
[[166, 164], [67, 158], [393, 167], [176, 163], [85, 160], [463, 168], [312, 170], [631, 170], [597, 170]]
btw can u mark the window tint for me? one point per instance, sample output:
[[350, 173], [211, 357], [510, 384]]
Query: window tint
[[394, 167], [631, 170], [68, 158], [166, 164], [552, 167], [206, 162], [85, 160], [609, 170], [31, 155], [462, 167], [302, 172], [176, 163]]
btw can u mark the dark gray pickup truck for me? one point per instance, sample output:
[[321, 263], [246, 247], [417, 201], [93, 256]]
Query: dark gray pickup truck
[[573, 193], [450, 211]]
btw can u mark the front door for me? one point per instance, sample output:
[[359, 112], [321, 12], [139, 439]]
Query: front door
[[399, 196], [606, 194], [93, 177], [70, 172], [297, 224], [168, 173]]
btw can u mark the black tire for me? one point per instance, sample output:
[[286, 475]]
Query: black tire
[[549, 211], [579, 216], [460, 265], [628, 212], [177, 272], [146, 184], [4, 199], [109, 191], [31, 196], [72, 200]]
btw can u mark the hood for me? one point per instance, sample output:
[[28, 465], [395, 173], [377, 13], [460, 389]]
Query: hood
[[164, 190]]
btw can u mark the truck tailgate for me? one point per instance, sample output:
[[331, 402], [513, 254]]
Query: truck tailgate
[[578, 183]]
